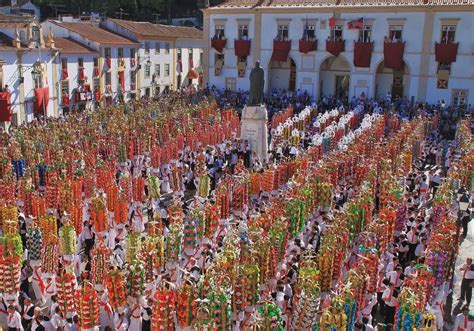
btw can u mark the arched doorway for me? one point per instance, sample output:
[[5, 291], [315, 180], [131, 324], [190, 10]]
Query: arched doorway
[[282, 75], [335, 77], [391, 81]]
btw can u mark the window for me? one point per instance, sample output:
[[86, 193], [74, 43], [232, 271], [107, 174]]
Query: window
[[395, 34], [96, 62], [147, 69], [231, 84], [460, 98], [107, 52], [37, 79], [219, 32], [167, 70], [179, 53], [243, 32], [157, 70], [35, 36], [147, 47], [219, 57], [167, 48], [108, 79], [147, 92], [157, 47], [365, 34], [336, 33], [282, 32], [120, 52], [80, 62], [309, 32], [132, 53], [201, 53], [63, 63], [448, 33]]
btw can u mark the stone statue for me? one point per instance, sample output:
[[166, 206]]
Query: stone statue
[[257, 81]]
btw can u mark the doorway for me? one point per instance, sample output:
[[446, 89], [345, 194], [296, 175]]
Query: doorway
[[391, 81], [335, 77], [342, 87], [282, 75]]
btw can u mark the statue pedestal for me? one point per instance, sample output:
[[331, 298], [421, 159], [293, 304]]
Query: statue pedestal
[[254, 129]]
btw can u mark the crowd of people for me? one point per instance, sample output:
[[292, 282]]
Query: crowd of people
[[178, 183]]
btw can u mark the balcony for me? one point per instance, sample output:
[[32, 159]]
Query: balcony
[[393, 55], [219, 44], [281, 49], [242, 47], [306, 46], [446, 52], [335, 47], [363, 54]]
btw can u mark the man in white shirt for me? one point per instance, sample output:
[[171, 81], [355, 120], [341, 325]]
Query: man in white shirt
[[57, 320], [390, 302], [467, 279], [462, 323], [395, 277], [14, 319]]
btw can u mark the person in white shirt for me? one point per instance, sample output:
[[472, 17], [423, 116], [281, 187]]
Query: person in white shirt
[[410, 269], [390, 301], [420, 248], [57, 320], [467, 279], [462, 323], [120, 322], [367, 326], [395, 277], [14, 319]]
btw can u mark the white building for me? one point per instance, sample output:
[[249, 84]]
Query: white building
[[107, 72], [418, 49], [27, 74], [169, 57]]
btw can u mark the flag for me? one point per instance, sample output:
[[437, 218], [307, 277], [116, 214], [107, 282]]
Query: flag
[[332, 22], [356, 24]]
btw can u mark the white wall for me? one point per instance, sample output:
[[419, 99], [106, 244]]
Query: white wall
[[362, 79]]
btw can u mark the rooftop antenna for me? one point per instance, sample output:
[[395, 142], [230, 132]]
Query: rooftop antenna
[[121, 13]]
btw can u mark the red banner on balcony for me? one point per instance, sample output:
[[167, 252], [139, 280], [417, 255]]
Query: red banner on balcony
[[121, 79], [307, 46], [192, 74], [363, 54], [65, 74], [5, 107], [66, 100], [41, 99], [82, 74], [281, 49], [335, 47], [218, 44], [446, 52], [242, 47], [393, 55], [96, 71]]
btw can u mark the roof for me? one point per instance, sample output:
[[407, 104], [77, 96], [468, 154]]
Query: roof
[[229, 4], [147, 29], [6, 43], [14, 21], [69, 46], [94, 33]]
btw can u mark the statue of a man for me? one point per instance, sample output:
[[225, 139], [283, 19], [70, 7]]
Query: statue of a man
[[257, 81]]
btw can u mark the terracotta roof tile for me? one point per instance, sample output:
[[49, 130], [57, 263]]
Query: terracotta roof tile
[[69, 46], [95, 33], [159, 30], [6, 43]]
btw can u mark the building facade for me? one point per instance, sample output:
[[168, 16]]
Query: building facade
[[421, 50], [107, 71], [27, 70], [169, 56]]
